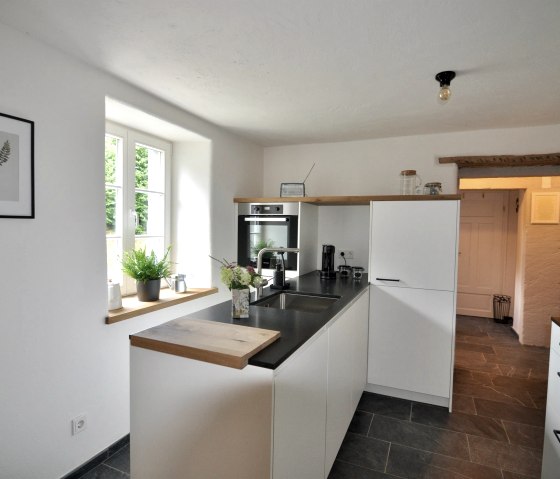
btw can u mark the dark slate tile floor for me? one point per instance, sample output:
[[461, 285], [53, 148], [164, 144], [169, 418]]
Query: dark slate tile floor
[[494, 432], [116, 466]]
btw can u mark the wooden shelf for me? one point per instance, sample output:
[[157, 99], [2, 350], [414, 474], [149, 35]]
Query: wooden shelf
[[132, 307], [347, 200]]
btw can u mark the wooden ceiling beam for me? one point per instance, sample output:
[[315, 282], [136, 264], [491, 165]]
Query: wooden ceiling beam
[[498, 161]]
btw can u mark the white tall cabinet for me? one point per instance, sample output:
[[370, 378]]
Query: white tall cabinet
[[413, 276]]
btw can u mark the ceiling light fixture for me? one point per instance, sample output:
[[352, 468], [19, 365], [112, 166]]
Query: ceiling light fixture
[[444, 79]]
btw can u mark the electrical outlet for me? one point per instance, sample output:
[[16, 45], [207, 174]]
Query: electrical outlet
[[79, 424], [346, 254]]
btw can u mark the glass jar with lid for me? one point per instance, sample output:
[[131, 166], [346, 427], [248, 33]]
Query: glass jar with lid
[[410, 182]]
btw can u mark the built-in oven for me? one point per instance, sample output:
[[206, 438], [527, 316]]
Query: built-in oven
[[272, 225]]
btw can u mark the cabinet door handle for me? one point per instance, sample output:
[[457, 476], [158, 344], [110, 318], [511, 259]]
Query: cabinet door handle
[[388, 279], [557, 434], [558, 374]]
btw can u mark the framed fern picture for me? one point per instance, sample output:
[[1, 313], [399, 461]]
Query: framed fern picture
[[17, 197]]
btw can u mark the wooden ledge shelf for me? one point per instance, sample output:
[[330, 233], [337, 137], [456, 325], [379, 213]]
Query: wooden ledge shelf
[[346, 200], [132, 307]]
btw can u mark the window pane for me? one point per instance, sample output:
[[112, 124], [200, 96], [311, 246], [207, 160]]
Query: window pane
[[155, 244], [113, 182], [114, 253], [150, 168], [150, 214], [113, 159], [113, 212]]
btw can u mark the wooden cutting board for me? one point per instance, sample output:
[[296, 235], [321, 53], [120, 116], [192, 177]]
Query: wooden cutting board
[[220, 343]]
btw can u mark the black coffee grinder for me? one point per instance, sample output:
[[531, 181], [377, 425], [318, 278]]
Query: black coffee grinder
[[327, 267]]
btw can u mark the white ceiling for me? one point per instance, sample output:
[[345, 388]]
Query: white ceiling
[[306, 71]]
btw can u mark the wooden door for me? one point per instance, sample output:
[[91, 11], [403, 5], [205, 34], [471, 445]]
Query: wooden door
[[482, 249]]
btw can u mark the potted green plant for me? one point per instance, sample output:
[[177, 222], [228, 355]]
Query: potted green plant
[[147, 270]]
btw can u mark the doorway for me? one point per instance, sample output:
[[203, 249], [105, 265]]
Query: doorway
[[487, 250]]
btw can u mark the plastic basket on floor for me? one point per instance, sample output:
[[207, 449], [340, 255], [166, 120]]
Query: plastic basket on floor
[[502, 303]]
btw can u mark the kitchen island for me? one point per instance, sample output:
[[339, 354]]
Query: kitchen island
[[283, 416]]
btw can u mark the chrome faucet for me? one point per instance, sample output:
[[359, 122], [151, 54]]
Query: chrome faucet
[[259, 264]]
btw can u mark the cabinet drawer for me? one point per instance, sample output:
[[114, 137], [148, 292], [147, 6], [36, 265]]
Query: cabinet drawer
[[555, 338]]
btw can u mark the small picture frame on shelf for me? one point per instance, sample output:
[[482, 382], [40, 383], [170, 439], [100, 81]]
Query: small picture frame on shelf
[[17, 198], [292, 190]]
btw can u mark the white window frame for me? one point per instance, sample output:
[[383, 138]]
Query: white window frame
[[130, 138]]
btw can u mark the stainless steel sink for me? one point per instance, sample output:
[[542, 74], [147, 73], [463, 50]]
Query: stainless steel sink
[[310, 303]]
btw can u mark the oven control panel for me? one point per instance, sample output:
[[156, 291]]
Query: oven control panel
[[267, 209]]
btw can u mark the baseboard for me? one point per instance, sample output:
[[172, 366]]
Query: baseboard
[[410, 395], [98, 458]]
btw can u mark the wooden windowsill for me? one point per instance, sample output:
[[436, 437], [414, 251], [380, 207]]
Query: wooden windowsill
[[132, 307]]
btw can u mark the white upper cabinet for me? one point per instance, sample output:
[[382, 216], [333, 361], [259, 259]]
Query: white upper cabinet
[[413, 244]]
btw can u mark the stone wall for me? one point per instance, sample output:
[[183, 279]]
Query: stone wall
[[542, 282]]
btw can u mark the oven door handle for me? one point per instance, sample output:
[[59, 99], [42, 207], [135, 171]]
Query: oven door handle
[[275, 220]]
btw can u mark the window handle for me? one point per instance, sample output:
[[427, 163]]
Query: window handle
[[135, 217]]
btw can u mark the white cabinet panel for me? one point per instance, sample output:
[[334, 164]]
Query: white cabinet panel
[[414, 242], [195, 419], [555, 338], [347, 370], [551, 448], [300, 409], [340, 384], [411, 339], [360, 348]]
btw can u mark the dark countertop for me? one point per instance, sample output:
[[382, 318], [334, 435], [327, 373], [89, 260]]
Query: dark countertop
[[296, 327]]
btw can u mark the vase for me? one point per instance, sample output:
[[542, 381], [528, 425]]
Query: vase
[[148, 291], [240, 303]]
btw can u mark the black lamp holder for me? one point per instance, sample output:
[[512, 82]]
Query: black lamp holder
[[444, 78]]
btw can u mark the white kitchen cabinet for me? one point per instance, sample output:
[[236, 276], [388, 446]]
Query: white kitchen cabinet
[[551, 448], [413, 244], [300, 408], [347, 363], [410, 346], [195, 419], [413, 276]]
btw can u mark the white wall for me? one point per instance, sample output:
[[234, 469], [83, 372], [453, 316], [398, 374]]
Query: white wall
[[372, 167], [57, 357], [347, 228]]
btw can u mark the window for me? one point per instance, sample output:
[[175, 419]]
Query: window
[[136, 197]]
